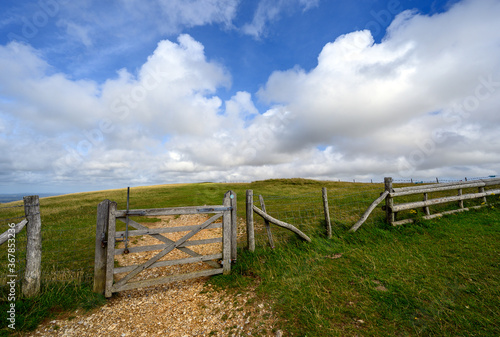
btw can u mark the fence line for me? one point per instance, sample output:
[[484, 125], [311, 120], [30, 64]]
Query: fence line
[[411, 205]]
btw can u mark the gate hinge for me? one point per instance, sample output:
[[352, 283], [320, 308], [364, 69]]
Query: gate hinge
[[103, 242]]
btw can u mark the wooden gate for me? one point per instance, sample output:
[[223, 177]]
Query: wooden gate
[[107, 238]]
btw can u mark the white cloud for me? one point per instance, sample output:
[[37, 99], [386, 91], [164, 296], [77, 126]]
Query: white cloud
[[424, 101], [170, 16], [378, 99], [268, 11]]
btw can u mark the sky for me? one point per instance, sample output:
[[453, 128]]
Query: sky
[[108, 94]]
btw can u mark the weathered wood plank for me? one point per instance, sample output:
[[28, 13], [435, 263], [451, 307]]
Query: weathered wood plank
[[327, 213], [150, 231], [250, 226], [389, 201], [419, 204], [166, 279], [101, 236], [266, 222], [436, 215], [17, 228], [140, 249], [368, 211], [33, 269], [172, 211], [201, 258], [110, 256], [401, 191], [167, 250], [281, 224]]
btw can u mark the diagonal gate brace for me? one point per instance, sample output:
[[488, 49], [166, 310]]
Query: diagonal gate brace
[[167, 250], [167, 240]]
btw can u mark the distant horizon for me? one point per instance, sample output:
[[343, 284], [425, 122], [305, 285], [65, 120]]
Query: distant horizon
[[20, 195]]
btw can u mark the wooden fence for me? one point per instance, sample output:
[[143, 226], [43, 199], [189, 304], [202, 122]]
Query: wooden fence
[[392, 209], [251, 209], [106, 237], [33, 224]]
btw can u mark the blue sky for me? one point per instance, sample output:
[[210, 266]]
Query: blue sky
[[97, 95]]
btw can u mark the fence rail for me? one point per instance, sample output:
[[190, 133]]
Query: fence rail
[[392, 209]]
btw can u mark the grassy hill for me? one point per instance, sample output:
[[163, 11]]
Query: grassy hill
[[437, 277]]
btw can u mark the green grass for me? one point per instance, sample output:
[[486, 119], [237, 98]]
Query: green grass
[[53, 300], [431, 278]]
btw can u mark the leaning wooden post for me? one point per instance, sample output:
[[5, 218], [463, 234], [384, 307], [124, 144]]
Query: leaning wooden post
[[389, 201], [327, 214], [226, 235], [33, 272], [266, 222], [234, 227], [250, 228], [101, 239]]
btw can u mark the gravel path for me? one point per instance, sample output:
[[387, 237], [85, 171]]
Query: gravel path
[[185, 308]]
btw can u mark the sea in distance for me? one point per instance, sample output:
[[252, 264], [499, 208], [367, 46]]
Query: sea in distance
[[5, 198]]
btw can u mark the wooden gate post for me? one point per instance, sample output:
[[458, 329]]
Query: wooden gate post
[[327, 213], [32, 274], [234, 227], [110, 249], [250, 228], [101, 238], [389, 201], [226, 235]]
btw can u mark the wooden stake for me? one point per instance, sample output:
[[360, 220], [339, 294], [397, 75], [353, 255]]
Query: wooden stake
[[32, 274], [327, 214], [250, 227]]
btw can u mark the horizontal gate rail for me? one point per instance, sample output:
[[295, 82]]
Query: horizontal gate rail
[[173, 211], [149, 231], [141, 249]]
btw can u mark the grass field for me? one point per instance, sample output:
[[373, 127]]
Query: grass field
[[436, 277]]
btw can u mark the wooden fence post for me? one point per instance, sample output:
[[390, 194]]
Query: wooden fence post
[[481, 190], [327, 214], [389, 202], [426, 208], [234, 227], [33, 272], [101, 238], [250, 228]]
